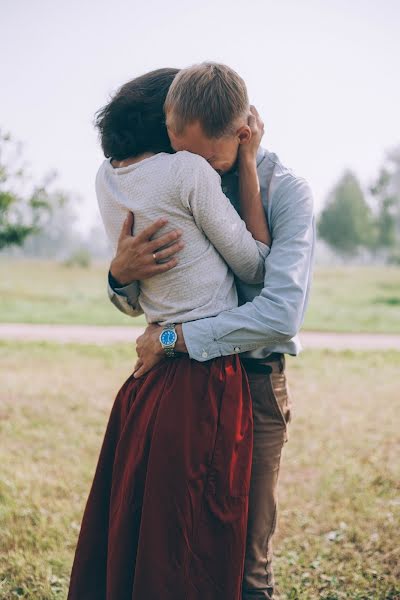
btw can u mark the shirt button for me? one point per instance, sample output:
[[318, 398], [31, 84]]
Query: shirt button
[[204, 354], [236, 349]]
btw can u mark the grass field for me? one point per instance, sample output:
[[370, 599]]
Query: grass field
[[345, 299], [339, 496], [49, 292]]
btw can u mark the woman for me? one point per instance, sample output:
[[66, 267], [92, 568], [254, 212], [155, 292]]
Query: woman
[[166, 514]]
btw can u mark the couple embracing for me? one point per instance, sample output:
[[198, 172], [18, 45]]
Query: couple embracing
[[217, 255]]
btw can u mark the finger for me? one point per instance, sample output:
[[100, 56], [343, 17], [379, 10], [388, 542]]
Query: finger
[[137, 366], [164, 240], [257, 117], [168, 252], [127, 226], [164, 267], [252, 123], [254, 111], [149, 231], [140, 372]]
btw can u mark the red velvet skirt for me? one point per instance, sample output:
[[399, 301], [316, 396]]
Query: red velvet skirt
[[166, 515]]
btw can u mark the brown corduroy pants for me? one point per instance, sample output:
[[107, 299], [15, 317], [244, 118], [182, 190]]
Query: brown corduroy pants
[[271, 414]]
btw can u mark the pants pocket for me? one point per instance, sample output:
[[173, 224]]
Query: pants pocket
[[280, 397]]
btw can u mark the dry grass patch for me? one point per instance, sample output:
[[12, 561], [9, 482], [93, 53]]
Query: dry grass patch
[[339, 495]]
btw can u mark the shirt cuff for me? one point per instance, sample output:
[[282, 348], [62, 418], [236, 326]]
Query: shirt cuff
[[131, 290], [202, 343], [199, 339]]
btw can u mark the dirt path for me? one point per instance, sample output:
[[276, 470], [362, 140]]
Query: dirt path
[[93, 334]]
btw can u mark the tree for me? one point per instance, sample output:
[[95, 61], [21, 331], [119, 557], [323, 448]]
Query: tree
[[346, 222], [385, 219], [57, 237], [21, 213], [386, 193]]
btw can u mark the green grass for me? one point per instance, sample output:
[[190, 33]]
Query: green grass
[[364, 299], [339, 497], [49, 292], [346, 299]]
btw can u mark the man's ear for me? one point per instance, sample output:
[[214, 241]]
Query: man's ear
[[244, 134]]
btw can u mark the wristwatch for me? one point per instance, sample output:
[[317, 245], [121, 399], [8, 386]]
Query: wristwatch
[[168, 338]]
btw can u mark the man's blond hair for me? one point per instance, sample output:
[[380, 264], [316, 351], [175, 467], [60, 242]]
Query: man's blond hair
[[210, 93]]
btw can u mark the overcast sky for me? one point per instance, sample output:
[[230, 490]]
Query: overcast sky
[[324, 75]]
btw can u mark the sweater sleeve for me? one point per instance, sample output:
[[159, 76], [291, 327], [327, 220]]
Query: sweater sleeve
[[113, 214], [213, 213]]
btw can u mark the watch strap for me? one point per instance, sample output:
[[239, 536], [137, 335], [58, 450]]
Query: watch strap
[[169, 350]]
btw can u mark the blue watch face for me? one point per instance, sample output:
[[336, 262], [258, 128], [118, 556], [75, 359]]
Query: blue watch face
[[168, 337]]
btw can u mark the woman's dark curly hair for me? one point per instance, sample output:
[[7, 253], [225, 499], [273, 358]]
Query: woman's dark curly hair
[[133, 121]]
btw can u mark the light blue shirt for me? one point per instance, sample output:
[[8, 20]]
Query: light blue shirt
[[270, 315]]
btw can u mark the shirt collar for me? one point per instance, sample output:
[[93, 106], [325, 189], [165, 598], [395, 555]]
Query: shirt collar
[[261, 152]]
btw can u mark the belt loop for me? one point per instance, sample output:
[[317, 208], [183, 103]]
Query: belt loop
[[282, 363]]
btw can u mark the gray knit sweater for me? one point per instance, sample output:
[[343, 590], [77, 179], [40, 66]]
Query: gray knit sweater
[[185, 189]]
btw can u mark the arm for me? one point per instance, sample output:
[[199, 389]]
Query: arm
[[137, 259], [117, 224], [275, 315], [213, 213], [251, 206]]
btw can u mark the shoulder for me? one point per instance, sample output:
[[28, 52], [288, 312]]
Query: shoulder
[[286, 189], [295, 193], [101, 171], [193, 174], [183, 157], [189, 163], [101, 180]]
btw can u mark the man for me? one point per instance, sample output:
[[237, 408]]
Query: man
[[264, 327]]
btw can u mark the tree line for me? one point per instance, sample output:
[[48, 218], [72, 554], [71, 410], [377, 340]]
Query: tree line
[[353, 219]]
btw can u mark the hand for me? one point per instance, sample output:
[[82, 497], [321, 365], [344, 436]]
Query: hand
[[249, 149], [149, 349], [135, 258]]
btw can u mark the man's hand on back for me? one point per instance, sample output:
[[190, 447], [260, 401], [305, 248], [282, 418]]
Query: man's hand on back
[[137, 256]]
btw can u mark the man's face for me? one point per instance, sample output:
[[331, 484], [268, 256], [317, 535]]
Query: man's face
[[221, 153]]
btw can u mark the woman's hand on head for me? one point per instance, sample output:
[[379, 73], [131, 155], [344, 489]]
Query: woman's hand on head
[[137, 256], [248, 150]]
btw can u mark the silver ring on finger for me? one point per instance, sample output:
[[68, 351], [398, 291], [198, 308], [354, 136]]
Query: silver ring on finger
[[155, 257]]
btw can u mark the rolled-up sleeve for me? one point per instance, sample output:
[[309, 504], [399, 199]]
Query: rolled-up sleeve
[[276, 315], [125, 298]]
